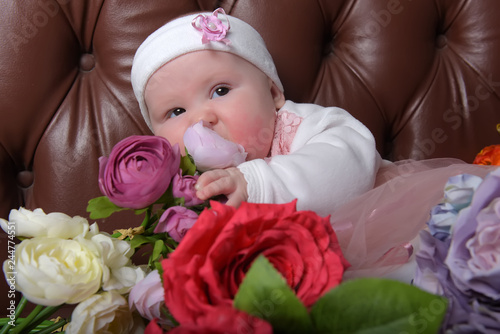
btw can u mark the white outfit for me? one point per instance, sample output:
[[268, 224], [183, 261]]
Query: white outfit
[[327, 160], [323, 157]]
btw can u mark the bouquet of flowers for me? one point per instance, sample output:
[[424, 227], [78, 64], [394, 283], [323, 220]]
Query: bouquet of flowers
[[260, 268], [460, 254]]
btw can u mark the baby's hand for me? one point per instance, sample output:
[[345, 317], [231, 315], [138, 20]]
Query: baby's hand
[[229, 182]]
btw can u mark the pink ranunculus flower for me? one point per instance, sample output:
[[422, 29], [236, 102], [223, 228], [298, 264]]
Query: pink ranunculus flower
[[183, 186], [138, 171], [211, 151], [176, 221], [147, 297]]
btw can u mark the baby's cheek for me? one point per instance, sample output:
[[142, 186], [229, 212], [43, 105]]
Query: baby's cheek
[[254, 131], [172, 135], [257, 142]]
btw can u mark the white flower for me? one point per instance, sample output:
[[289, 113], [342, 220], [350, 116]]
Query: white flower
[[65, 261], [37, 223], [53, 271], [107, 312], [118, 271]]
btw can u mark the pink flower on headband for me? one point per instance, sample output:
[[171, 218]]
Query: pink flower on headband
[[212, 27]]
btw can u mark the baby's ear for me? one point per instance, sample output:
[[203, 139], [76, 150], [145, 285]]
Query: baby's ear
[[277, 94]]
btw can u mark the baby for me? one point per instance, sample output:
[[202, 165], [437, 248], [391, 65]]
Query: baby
[[215, 69]]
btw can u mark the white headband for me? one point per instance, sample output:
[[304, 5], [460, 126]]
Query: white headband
[[205, 31]]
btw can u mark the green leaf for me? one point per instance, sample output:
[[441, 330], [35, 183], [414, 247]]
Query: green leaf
[[187, 165], [264, 293], [158, 249], [157, 266], [141, 211], [102, 207], [373, 305], [139, 240]]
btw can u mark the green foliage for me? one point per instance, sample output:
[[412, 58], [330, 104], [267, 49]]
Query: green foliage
[[362, 306], [102, 207], [187, 165], [265, 294], [374, 305]]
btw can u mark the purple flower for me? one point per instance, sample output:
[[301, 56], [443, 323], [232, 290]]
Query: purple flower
[[211, 151], [465, 267], [484, 248], [176, 221], [433, 276], [474, 255], [138, 171], [443, 217], [458, 193], [183, 187]]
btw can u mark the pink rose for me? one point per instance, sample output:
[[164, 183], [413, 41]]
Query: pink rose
[[147, 296], [138, 171], [183, 186], [176, 221], [211, 151]]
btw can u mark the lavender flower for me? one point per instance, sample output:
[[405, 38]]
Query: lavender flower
[[211, 151]]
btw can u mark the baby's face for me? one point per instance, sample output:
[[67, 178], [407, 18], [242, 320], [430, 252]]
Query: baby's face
[[230, 95]]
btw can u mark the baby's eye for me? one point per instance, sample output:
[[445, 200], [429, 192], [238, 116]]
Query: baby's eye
[[176, 112], [220, 91]]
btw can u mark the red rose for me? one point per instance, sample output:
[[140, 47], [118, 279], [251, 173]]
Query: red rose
[[205, 271], [153, 328], [222, 321], [490, 155]]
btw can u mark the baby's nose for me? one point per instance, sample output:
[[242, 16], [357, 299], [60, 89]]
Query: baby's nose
[[209, 118], [206, 124]]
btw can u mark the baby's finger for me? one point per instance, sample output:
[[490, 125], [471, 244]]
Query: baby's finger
[[234, 201], [220, 185], [209, 177]]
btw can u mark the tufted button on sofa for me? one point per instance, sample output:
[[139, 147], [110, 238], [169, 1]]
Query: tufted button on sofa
[[423, 75]]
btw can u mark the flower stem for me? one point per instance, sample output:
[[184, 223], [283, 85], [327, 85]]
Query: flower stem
[[27, 320], [53, 327], [5, 328], [19, 309], [22, 303], [43, 315], [147, 217]]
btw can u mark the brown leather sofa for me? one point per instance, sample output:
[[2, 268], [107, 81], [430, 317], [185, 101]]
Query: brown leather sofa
[[423, 75]]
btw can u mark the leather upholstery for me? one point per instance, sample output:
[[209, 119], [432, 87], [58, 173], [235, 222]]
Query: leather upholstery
[[423, 75]]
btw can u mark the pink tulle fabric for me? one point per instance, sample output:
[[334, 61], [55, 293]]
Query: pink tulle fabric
[[378, 231]]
